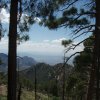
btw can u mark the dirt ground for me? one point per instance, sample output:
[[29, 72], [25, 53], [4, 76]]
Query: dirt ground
[[3, 89]]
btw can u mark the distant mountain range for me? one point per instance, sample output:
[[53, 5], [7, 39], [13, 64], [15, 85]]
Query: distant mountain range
[[23, 62], [46, 75]]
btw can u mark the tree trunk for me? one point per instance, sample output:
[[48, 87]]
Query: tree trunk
[[12, 51], [97, 81], [19, 91], [35, 85], [63, 85], [91, 83], [97, 31], [95, 64]]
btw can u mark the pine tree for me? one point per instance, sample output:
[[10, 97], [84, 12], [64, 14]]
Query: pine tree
[[15, 20], [78, 16]]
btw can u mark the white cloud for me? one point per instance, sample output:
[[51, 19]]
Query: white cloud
[[45, 47], [4, 16], [38, 20], [58, 40], [52, 47]]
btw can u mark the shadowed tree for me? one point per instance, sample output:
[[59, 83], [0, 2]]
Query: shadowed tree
[[12, 51]]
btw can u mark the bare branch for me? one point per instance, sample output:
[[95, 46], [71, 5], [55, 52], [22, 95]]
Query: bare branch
[[69, 5], [82, 28], [90, 3], [71, 57], [64, 25], [87, 13], [82, 34], [68, 49], [80, 42], [73, 46]]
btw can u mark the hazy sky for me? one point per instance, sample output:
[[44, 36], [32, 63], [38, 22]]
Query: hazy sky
[[44, 44]]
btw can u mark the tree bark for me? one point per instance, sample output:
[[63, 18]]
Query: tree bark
[[91, 83], [97, 31], [12, 51], [96, 56]]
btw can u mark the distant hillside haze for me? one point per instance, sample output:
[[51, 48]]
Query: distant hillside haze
[[22, 62], [25, 61]]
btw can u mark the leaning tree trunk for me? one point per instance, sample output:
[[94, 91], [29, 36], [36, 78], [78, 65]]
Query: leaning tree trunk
[[12, 51], [95, 73]]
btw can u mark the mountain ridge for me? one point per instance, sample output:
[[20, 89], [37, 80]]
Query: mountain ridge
[[22, 62]]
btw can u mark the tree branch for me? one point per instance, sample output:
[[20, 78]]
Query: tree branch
[[73, 46], [71, 57], [87, 4], [82, 34], [69, 5], [82, 28]]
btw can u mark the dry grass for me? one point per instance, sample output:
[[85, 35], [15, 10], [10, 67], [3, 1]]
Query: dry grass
[[26, 95], [3, 90]]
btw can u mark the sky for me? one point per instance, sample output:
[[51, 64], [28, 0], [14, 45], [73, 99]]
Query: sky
[[44, 44]]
